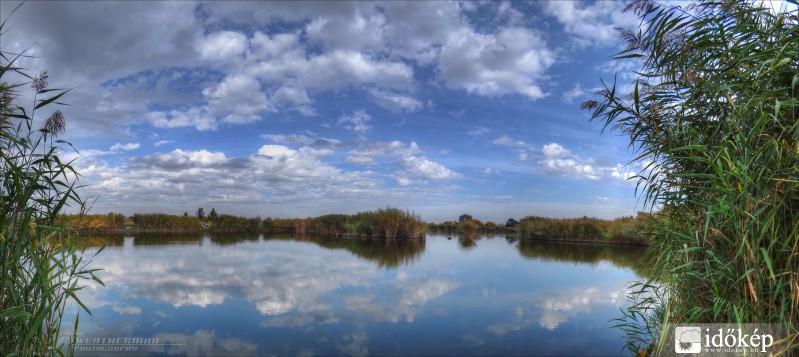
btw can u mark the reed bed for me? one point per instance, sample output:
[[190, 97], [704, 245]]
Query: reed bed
[[41, 263], [714, 120]]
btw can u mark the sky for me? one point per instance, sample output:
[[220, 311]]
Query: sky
[[297, 109]]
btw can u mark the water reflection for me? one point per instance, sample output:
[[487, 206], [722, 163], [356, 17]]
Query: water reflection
[[467, 242], [388, 253], [622, 256], [309, 295]]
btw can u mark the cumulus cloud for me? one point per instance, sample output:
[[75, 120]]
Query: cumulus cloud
[[421, 167], [222, 45], [197, 117], [556, 160], [125, 147], [281, 163], [554, 151], [590, 24], [357, 122], [237, 99], [416, 169], [513, 61], [202, 157], [569, 167], [370, 153], [275, 173], [559, 161]]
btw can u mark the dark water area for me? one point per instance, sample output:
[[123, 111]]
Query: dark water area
[[255, 295]]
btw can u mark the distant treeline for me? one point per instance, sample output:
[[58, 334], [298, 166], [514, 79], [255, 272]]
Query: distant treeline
[[384, 223], [629, 229]]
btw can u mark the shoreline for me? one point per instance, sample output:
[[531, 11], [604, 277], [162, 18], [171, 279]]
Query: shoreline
[[84, 232]]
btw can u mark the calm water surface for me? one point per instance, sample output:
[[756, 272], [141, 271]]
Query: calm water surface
[[241, 295]]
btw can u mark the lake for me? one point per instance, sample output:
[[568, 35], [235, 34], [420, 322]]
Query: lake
[[239, 295]]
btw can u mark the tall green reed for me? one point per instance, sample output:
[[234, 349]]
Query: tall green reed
[[713, 116], [41, 265]]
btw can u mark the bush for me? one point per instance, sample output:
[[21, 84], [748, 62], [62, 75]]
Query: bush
[[468, 226]]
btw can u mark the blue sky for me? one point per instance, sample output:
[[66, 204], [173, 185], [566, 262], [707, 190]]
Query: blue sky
[[289, 109]]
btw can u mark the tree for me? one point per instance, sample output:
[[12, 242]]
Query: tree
[[185, 214], [713, 118], [212, 215], [200, 213], [511, 223], [464, 217]]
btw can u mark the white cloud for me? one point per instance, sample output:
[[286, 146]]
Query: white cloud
[[238, 99], [478, 131], [507, 141], [513, 61], [164, 142], [288, 96], [131, 310], [276, 151], [422, 167], [368, 154], [569, 167], [622, 173], [590, 24], [574, 93], [395, 102], [125, 147], [201, 157], [490, 171], [278, 163], [198, 117], [417, 169], [359, 31], [222, 45], [293, 139], [337, 68], [559, 161], [357, 122], [554, 151], [556, 160]]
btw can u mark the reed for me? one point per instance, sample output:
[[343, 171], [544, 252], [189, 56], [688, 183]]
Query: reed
[[41, 263], [714, 118]]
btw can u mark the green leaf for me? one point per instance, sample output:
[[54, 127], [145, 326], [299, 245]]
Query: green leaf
[[14, 313], [767, 259], [49, 100]]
